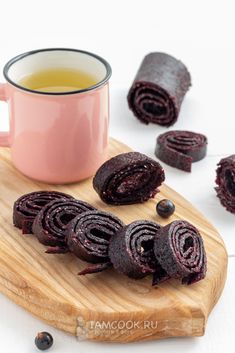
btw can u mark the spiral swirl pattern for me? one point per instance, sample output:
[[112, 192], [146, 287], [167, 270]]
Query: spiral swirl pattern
[[128, 178], [150, 103], [179, 249], [225, 180], [88, 235], [131, 250], [180, 149], [50, 224], [29, 205], [158, 89]]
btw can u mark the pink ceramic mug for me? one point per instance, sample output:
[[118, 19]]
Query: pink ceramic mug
[[57, 137]]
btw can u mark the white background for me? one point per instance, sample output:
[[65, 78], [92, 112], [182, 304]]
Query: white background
[[200, 33]]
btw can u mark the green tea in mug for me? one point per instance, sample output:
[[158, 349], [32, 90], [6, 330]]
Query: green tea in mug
[[58, 80]]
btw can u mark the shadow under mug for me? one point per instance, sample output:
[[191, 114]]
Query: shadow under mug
[[57, 137]]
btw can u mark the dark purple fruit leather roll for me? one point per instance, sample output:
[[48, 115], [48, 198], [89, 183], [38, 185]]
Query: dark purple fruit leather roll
[[27, 207], [159, 89], [89, 233], [180, 149], [225, 180], [180, 251], [128, 178], [131, 250], [50, 224]]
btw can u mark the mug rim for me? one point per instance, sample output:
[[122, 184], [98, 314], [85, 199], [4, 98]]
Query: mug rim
[[32, 52]]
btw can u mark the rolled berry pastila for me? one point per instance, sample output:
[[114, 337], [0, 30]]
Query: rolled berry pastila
[[179, 249], [27, 207], [225, 180], [89, 233], [128, 178], [131, 250], [50, 224], [180, 149], [159, 89]]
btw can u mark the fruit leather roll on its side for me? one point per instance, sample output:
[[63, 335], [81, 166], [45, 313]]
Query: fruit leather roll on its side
[[225, 180], [89, 233], [128, 178], [27, 207], [51, 222], [88, 237], [159, 89], [180, 251], [131, 251], [180, 149]]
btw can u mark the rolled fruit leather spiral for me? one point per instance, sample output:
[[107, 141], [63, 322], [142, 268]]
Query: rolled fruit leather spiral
[[128, 178], [180, 149], [88, 237], [131, 250], [225, 180], [50, 224], [27, 207], [180, 251], [158, 89]]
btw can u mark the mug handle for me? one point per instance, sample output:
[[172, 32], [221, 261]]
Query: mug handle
[[4, 136]]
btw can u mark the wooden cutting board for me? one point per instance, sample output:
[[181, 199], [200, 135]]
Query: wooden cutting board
[[105, 306]]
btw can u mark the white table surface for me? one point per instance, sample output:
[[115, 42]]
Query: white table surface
[[201, 34]]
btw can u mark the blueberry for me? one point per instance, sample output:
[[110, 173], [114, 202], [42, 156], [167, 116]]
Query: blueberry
[[43, 340], [165, 208]]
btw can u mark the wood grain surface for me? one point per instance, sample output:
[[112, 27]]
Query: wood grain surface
[[105, 306]]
